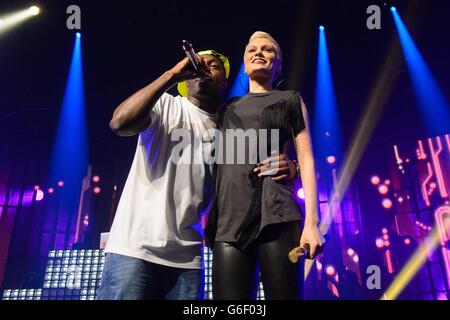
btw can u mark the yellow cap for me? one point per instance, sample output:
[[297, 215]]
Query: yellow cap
[[183, 88]]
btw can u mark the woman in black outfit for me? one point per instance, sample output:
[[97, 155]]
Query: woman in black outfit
[[256, 220]]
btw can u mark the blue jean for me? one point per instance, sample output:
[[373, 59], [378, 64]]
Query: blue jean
[[128, 278]]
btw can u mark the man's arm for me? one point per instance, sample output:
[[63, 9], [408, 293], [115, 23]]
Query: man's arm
[[134, 114]]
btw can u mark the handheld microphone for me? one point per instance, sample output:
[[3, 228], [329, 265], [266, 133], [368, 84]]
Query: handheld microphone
[[190, 53], [299, 252]]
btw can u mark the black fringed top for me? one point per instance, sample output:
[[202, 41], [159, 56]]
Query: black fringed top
[[244, 203]]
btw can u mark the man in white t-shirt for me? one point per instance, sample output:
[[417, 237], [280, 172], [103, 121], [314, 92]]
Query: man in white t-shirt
[[154, 250]]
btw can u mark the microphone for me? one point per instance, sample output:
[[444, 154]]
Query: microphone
[[190, 53], [299, 252]]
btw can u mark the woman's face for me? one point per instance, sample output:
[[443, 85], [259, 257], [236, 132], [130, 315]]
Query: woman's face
[[261, 60]]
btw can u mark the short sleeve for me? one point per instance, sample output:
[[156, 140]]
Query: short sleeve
[[160, 110], [295, 114]]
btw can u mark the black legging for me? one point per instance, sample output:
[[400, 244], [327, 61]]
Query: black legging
[[235, 273]]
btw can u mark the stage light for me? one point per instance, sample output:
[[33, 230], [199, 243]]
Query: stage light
[[387, 243], [407, 241], [412, 266], [96, 179], [356, 259], [69, 164], [319, 265], [350, 252], [51, 190], [434, 107], [387, 203], [34, 11], [375, 180], [97, 190], [37, 187], [240, 85], [301, 194], [11, 20], [385, 237], [330, 270], [331, 159], [60, 183], [384, 230], [78, 35], [393, 9], [39, 195], [379, 243], [326, 127], [383, 189]]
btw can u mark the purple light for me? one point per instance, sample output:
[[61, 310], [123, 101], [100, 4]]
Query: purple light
[[331, 159], [383, 189], [39, 195], [330, 270], [301, 194], [375, 180], [379, 243], [387, 203]]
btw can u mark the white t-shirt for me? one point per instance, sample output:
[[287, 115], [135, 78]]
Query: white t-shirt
[[158, 217]]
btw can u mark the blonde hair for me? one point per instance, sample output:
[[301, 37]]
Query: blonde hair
[[262, 34]]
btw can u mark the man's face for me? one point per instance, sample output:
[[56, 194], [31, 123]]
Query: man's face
[[213, 86]]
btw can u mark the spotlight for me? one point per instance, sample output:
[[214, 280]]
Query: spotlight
[[78, 35], [34, 10], [321, 28], [387, 203], [96, 179], [383, 189], [51, 190], [301, 193], [330, 270], [61, 183], [97, 190], [331, 159], [375, 180], [319, 265], [39, 195], [1, 21], [379, 243], [393, 9]]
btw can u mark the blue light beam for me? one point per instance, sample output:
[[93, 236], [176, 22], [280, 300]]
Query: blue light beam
[[326, 126], [241, 84], [70, 151], [434, 107]]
